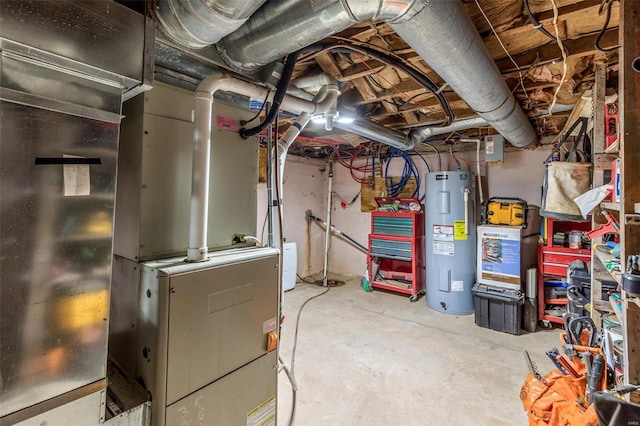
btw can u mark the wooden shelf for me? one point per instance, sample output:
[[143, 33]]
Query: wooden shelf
[[608, 205], [614, 148], [617, 309], [602, 306], [634, 300], [607, 258]]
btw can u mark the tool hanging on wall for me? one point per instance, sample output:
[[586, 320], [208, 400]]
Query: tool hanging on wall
[[611, 227], [611, 118]]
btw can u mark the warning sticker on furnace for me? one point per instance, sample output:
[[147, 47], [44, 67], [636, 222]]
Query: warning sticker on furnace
[[264, 414]]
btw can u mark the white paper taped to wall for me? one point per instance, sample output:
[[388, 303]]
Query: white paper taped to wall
[[77, 178]]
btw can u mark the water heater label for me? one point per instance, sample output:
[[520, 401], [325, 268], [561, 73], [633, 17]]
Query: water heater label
[[443, 248], [457, 285], [442, 233], [459, 231]]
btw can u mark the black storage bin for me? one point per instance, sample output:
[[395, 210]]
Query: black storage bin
[[497, 308]]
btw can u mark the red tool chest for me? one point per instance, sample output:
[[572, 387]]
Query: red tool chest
[[395, 257], [553, 260]]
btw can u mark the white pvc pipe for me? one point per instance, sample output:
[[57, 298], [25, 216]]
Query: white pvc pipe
[[466, 210], [197, 250], [481, 192], [327, 234]]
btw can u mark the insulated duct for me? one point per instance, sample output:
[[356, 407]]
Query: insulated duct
[[438, 30], [200, 23], [285, 26], [469, 123], [444, 36], [378, 133], [456, 126]]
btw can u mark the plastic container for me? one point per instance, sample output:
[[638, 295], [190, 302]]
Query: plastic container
[[497, 308], [575, 239]]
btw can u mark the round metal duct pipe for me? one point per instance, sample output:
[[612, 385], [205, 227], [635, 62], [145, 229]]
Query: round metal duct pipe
[[444, 36], [284, 26], [199, 23]]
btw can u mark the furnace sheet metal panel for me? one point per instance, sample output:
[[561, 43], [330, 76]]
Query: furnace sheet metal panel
[[199, 322], [55, 239], [154, 180]]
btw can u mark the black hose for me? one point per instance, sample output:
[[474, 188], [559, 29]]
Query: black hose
[[281, 90], [396, 62]]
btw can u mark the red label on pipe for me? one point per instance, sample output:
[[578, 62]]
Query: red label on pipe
[[224, 122]]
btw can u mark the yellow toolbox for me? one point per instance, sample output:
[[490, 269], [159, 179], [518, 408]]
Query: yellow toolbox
[[509, 211]]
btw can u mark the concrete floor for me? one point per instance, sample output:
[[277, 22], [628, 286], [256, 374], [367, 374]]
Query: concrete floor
[[377, 359]]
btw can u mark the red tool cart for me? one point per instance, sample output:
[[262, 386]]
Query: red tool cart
[[553, 260], [396, 247]]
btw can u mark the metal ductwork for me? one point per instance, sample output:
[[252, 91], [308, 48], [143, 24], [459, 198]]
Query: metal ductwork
[[199, 23], [444, 36], [456, 126], [469, 123], [284, 26], [438, 30], [378, 133]]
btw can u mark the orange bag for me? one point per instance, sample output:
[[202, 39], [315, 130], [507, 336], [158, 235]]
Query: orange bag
[[552, 401]]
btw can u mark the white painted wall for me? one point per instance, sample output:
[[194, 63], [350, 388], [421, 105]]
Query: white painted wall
[[521, 175], [305, 188]]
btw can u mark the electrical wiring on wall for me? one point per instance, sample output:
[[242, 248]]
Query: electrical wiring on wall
[[347, 159]]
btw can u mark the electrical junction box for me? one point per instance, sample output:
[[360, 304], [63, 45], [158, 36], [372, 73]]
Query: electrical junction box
[[494, 149]]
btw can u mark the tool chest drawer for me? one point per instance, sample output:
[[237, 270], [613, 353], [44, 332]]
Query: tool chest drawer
[[393, 249], [556, 259]]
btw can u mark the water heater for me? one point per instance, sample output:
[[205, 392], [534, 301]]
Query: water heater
[[450, 230]]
